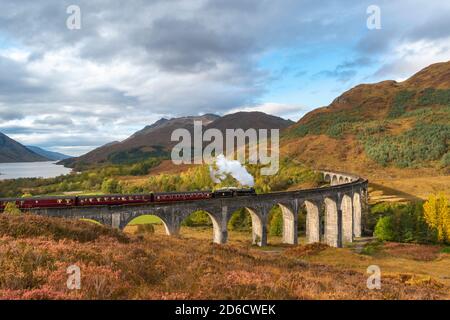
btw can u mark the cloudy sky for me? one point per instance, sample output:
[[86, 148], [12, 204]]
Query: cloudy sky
[[133, 62]]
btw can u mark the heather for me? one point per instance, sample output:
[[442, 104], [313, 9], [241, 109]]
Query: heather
[[115, 265]]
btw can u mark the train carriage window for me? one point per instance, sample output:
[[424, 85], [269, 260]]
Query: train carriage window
[[59, 201]]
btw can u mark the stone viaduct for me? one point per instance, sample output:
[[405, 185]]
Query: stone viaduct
[[333, 213]]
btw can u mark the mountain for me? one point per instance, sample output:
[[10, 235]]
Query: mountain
[[12, 151], [387, 127], [48, 154], [155, 140]]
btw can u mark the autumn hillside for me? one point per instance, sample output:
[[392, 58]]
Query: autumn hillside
[[383, 130], [36, 252]]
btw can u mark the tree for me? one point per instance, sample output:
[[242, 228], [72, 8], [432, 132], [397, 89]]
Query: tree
[[276, 222], [437, 216], [110, 186], [12, 209], [384, 229], [240, 221]]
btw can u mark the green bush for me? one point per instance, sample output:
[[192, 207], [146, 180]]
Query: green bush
[[372, 248], [276, 222], [401, 100], [445, 161], [332, 123], [240, 221], [145, 228], [402, 223], [384, 229], [197, 219], [432, 96], [110, 186], [337, 130]]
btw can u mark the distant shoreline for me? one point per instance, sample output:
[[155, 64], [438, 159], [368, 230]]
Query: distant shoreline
[[35, 169]]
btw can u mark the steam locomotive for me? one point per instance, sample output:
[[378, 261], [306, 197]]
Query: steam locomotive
[[123, 199]]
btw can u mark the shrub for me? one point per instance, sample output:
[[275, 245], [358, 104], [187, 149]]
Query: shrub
[[12, 209], [337, 130], [432, 96], [110, 186], [240, 221], [400, 102], [145, 228], [403, 223], [276, 222], [445, 161], [372, 248], [384, 229], [197, 219]]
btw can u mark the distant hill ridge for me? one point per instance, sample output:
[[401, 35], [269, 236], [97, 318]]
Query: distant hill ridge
[[48, 154], [13, 151], [155, 140], [371, 127]]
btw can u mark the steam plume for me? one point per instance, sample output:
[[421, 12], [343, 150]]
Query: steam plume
[[223, 166]]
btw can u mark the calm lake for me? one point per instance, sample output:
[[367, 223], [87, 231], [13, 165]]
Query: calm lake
[[31, 170]]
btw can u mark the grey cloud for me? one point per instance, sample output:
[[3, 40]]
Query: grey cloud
[[340, 75], [54, 121], [8, 115], [188, 57]]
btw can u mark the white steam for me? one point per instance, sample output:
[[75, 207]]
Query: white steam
[[223, 166]]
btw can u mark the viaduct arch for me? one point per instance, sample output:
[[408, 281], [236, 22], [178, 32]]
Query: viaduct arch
[[342, 202]]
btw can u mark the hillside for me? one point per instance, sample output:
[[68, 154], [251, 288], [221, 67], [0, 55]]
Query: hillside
[[12, 151], [36, 252], [48, 154], [155, 140], [386, 129]]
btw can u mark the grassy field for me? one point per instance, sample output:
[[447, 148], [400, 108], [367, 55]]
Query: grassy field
[[422, 263], [36, 251], [409, 189], [145, 219]]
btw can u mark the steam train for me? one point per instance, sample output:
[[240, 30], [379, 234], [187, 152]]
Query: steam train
[[123, 199]]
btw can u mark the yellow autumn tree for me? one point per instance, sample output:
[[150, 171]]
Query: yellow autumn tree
[[12, 209], [437, 215]]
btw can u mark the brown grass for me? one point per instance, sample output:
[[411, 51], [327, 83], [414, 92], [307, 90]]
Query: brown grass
[[155, 266]]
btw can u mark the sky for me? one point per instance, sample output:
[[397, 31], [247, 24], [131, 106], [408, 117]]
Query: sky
[[132, 62]]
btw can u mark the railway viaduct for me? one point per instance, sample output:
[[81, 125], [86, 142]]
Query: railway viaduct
[[333, 213]]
